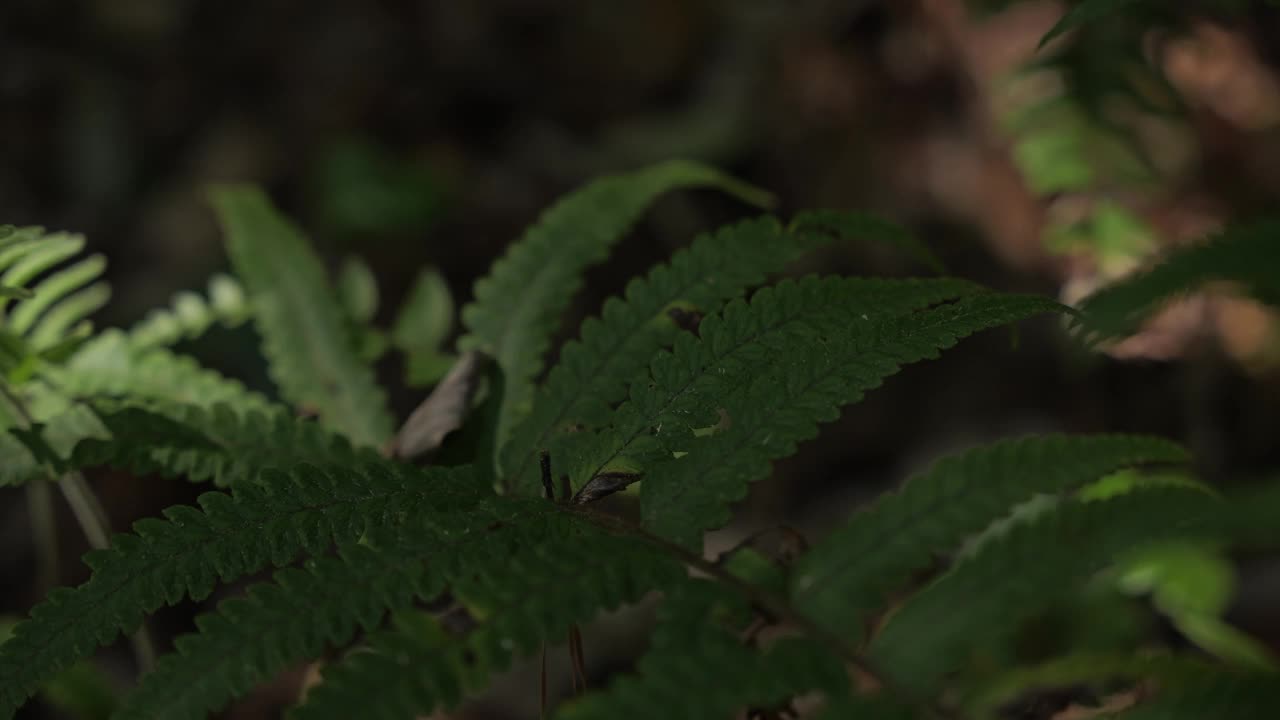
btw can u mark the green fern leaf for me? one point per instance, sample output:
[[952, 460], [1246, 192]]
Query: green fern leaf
[[303, 331], [109, 366], [795, 382], [58, 305], [522, 588], [1086, 12], [250, 639], [302, 513], [38, 449], [215, 444], [192, 315], [1214, 695], [862, 226], [593, 372], [1024, 570], [681, 389], [1245, 254], [358, 290], [85, 691], [1089, 669], [697, 667], [851, 573], [519, 304], [422, 324], [414, 664]]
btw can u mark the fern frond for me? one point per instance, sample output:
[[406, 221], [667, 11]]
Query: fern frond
[[848, 224], [191, 315], [593, 372], [681, 389], [64, 297], [523, 589], [1090, 669], [422, 324], [229, 535], [850, 573], [215, 444], [1214, 695], [519, 304], [41, 450], [1246, 254], [1086, 12], [778, 398], [304, 334], [251, 639], [358, 290], [697, 667], [1025, 570], [108, 366], [84, 691]]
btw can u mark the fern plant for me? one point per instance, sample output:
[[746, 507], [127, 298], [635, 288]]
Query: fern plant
[[417, 582]]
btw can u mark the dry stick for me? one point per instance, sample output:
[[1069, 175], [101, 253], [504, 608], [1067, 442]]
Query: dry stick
[[767, 603]]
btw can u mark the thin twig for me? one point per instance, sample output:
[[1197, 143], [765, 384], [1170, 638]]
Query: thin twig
[[87, 510]]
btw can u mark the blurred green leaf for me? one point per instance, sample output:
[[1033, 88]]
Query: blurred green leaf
[[424, 368], [754, 567], [1192, 584], [1125, 481], [426, 317], [365, 188], [423, 323], [15, 292], [1221, 639], [1086, 11], [82, 691], [358, 289]]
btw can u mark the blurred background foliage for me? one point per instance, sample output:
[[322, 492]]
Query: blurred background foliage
[[419, 134]]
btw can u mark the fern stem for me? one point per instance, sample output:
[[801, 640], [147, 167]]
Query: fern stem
[[96, 527], [44, 534], [39, 508], [88, 511], [93, 522], [770, 604]]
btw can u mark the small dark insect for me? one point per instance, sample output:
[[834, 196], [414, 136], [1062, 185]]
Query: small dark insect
[[686, 319], [603, 485]]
